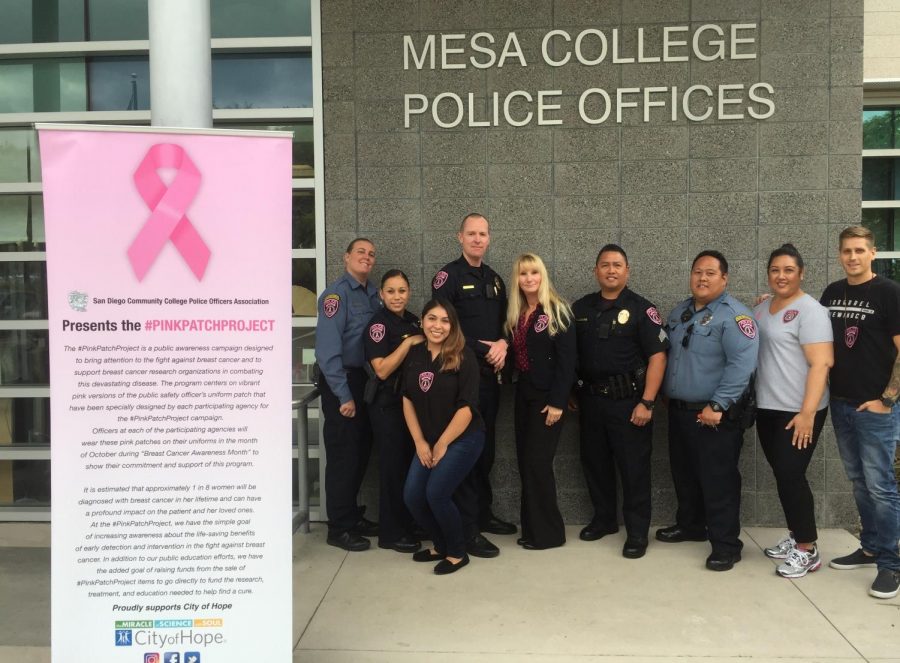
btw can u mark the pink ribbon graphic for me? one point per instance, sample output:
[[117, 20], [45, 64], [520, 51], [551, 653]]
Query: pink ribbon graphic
[[168, 205]]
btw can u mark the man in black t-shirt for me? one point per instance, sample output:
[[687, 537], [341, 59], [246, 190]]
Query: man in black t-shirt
[[865, 386]]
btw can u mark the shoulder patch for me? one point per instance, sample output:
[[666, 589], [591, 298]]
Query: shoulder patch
[[790, 315], [746, 325], [439, 279], [653, 314], [376, 332], [542, 323], [331, 304]]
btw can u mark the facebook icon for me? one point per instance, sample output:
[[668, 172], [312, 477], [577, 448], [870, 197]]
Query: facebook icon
[[123, 637], [171, 657]]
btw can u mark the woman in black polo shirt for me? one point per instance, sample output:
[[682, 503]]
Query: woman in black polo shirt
[[543, 348], [440, 401], [390, 334]]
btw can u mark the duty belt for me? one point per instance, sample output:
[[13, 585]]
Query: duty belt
[[614, 386]]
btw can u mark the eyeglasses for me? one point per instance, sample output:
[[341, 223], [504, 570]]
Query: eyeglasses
[[687, 335]]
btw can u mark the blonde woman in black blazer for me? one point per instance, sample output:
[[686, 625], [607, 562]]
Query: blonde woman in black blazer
[[543, 350]]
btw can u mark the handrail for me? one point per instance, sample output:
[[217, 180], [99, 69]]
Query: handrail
[[301, 519]]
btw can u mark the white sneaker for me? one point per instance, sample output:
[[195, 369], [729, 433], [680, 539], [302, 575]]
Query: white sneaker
[[782, 549], [799, 563]]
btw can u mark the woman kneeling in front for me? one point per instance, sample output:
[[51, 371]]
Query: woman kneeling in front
[[440, 401]]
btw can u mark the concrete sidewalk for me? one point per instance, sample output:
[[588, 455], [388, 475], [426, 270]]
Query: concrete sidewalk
[[581, 602]]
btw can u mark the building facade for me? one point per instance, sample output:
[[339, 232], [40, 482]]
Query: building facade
[[666, 126]]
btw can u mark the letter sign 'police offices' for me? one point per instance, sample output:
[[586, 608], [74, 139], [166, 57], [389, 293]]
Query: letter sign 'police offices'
[[591, 47]]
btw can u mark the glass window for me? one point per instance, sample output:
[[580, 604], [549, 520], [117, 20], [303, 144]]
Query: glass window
[[880, 129], [259, 18], [121, 83], [262, 81], [21, 223], [881, 178], [46, 85], [303, 212], [24, 358], [19, 157], [114, 20], [23, 291], [303, 290], [304, 355], [24, 421], [883, 224], [26, 21], [887, 267], [25, 482], [303, 158]]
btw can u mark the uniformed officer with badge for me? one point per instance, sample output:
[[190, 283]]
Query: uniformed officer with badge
[[344, 309], [479, 296], [711, 361], [621, 362]]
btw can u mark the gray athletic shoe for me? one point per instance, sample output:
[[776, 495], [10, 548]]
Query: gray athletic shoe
[[886, 585], [782, 549], [855, 560], [799, 563]]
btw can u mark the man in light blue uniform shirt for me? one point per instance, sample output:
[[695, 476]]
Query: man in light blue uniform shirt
[[713, 354], [344, 309]]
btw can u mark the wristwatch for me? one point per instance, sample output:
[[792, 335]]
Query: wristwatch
[[648, 403], [715, 407], [888, 402]]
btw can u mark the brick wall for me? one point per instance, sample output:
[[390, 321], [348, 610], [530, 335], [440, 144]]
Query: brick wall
[[664, 190]]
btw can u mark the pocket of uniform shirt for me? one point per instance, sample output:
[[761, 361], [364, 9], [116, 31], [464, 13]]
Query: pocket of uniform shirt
[[703, 334]]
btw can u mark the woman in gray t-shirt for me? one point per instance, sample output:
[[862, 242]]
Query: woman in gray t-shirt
[[795, 353]]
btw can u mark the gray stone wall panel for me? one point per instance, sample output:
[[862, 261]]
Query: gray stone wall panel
[[654, 176], [717, 209], [654, 143]]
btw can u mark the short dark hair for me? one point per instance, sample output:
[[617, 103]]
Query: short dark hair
[[472, 215], [712, 253], [789, 250], [356, 241], [612, 248], [391, 273]]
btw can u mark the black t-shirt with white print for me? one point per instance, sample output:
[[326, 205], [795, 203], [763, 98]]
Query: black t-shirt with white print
[[865, 318]]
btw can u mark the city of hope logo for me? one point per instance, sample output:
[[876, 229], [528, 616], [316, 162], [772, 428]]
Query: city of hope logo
[[123, 637]]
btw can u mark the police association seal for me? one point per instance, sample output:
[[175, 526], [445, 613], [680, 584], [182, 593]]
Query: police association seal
[[542, 323], [331, 304], [425, 380], [78, 301], [376, 332]]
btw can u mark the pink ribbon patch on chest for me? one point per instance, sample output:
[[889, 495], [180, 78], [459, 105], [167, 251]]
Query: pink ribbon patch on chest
[[168, 211], [425, 380]]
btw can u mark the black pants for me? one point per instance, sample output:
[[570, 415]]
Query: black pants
[[474, 496], [609, 440], [707, 479], [789, 466], [395, 451], [536, 444], [348, 443]]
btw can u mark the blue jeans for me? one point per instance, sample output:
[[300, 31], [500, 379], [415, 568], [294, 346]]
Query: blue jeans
[[428, 493], [867, 442]]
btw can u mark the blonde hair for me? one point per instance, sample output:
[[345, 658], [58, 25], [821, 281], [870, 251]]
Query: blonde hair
[[555, 307]]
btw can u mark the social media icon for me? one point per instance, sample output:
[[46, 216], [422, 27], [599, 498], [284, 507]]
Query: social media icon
[[123, 637], [151, 657], [172, 657], [191, 657]]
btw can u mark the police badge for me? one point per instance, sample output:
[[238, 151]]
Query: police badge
[[78, 301], [542, 323], [850, 336], [425, 380], [376, 332]]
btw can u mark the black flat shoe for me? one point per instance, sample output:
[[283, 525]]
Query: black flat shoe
[[634, 548], [522, 541], [478, 546], [594, 532], [405, 544], [426, 556], [348, 541], [677, 534], [446, 567], [494, 525], [365, 527], [722, 561]]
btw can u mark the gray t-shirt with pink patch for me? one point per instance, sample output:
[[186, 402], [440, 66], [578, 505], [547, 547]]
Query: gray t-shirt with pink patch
[[782, 369]]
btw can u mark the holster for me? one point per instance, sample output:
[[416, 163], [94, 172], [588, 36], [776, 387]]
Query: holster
[[371, 389], [743, 412]]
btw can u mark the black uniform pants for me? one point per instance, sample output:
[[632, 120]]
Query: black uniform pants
[[348, 443], [707, 479], [536, 444], [789, 466], [608, 441], [474, 496], [395, 451]]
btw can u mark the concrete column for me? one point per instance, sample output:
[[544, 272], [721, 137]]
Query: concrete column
[[180, 64]]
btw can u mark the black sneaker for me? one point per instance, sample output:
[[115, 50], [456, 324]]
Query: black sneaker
[[886, 585], [855, 560]]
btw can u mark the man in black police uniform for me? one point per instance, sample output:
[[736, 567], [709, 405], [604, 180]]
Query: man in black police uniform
[[344, 309], [479, 296], [621, 362]]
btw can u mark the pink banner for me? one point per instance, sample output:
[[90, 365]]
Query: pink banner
[[169, 273]]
